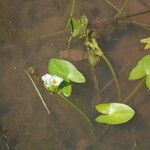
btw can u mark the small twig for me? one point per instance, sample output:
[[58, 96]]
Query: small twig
[[134, 91], [112, 5], [123, 7], [38, 92]]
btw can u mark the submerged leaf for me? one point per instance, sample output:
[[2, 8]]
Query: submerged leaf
[[65, 70], [78, 26], [75, 26], [93, 59], [114, 113]]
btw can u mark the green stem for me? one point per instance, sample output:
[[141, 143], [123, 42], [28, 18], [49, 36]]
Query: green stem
[[133, 92], [113, 73], [76, 108], [38, 92], [72, 10]]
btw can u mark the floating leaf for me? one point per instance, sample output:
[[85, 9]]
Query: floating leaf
[[114, 113], [148, 81], [137, 73], [147, 42], [65, 70], [142, 69], [66, 90]]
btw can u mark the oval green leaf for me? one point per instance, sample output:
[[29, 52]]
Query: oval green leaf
[[142, 69], [114, 113], [137, 73], [65, 70]]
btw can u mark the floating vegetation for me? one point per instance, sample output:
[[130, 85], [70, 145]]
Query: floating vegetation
[[79, 28], [114, 113], [62, 73], [142, 70]]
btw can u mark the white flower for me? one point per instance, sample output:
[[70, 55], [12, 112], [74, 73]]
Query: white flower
[[47, 80], [50, 80], [56, 80]]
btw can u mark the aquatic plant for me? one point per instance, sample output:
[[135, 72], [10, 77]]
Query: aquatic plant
[[146, 41], [114, 113], [142, 70], [66, 72], [61, 74], [79, 28]]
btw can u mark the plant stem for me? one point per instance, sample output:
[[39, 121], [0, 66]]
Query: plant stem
[[112, 5], [121, 10], [71, 12], [114, 75], [95, 78], [134, 91], [39, 94], [76, 108], [145, 26]]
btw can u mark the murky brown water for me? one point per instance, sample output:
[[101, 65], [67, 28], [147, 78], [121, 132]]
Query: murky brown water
[[32, 32]]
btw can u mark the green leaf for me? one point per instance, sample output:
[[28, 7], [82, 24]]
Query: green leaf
[[145, 62], [66, 90], [84, 20], [65, 70], [142, 68], [76, 76], [147, 42], [148, 81], [114, 113], [137, 73], [74, 24]]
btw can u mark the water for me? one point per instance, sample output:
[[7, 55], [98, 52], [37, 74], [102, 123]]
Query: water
[[32, 32]]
